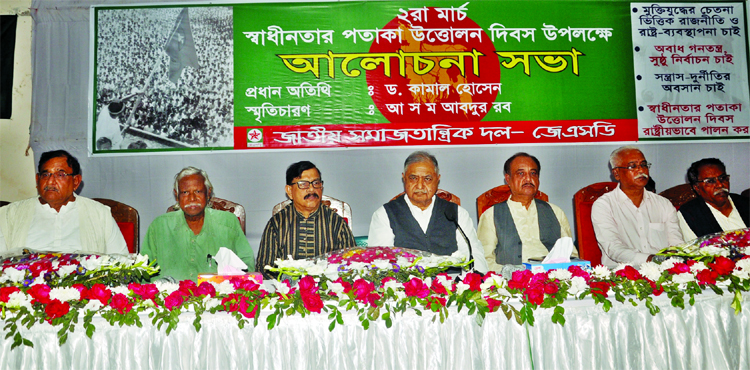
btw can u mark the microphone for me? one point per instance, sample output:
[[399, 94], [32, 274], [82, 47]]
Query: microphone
[[451, 216]]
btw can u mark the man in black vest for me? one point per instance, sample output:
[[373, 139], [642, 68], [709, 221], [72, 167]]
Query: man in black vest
[[715, 209], [522, 227], [420, 220]]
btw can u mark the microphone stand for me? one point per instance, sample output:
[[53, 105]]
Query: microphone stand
[[452, 218]]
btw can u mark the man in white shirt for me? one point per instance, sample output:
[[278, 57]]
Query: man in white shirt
[[58, 220], [420, 220], [631, 224], [715, 209], [522, 227]]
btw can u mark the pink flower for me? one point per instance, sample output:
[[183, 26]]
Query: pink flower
[[362, 288], [578, 271], [56, 309], [473, 280], [99, 292], [520, 279], [146, 291], [121, 303], [205, 288], [416, 288], [307, 284], [535, 295], [493, 304], [629, 273], [312, 301], [679, 268], [551, 288], [39, 293], [173, 300], [435, 303], [722, 265], [81, 289], [437, 287], [188, 287]]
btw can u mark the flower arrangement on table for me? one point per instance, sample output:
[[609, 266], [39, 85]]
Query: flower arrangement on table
[[372, 296], [732, 244]]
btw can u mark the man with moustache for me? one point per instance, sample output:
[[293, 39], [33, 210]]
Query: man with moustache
[[305, 228], [57, 220], [632, 224], [715, 209], [522, 227], [183, 242], [420, 220]]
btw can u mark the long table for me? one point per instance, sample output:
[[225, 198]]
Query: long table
[[706, 336]]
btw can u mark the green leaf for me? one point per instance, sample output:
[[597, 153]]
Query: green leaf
[[332, 325]]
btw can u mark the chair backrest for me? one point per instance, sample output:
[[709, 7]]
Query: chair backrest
[[745, 193], [679, 194], [583, 199], [128, 220], [442, 194], [342, 208], [222, 205], [499, 194]]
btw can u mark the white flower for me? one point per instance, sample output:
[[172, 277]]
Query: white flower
[[39, 280], [560, 274], [225, 287], [601, 271], [55, 264], [122, 289], [743, 264], [211, 302], [147, 303], [494, 280], [714, 251], [166, 288], [402, 262], [668, 264], [66, 270], [91, 262], [357, 266], [65, 294], [272, 301], [280, 287], [461, 287], [332, 271], [382, 264], [683, 278], [393, 284], [317, 269], [13, 275], [742, 274], [18, 300], [697, 267], [93, 305], [650, 270], [335, 288], [141, 258], [577, 285]]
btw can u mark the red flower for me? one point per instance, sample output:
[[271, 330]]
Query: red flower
[[56, 309], [205, 288], [40, 293], [489, 274], [629, 273], [493, 304], [347, 286], [6, 291], [416, 288], [146, 291], [722, 265], [173, 300], [578, 271], [371, 299], [188, 287], [535, 295], [679, 268], [245, 284], [435, 303], [691, 262], [520, 279], [307, 284], [473, 280], [706, 277], [551, 288], [81, 289], [40, 267], [121, 303], [657, 291], [599, 288], [244, 307], [437, 287], [312, 301], [362, 288], [99, 292]]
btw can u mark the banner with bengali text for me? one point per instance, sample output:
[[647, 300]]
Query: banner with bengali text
[[391, 73]]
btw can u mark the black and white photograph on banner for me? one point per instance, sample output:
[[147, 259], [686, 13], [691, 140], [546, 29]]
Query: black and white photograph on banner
[[164, 79]]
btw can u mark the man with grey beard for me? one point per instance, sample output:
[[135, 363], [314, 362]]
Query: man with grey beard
[[715, 209], [630, 223]]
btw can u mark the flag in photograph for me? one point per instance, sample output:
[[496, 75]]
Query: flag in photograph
[[181, 48], [8, 41]]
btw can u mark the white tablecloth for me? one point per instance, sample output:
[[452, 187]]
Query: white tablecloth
[[706, 336]]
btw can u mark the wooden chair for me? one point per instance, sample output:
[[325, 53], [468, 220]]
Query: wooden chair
[[679, 194], [440, 194], [588, 248], [342, 208], [497, 195], [128, 220], [222, 205]]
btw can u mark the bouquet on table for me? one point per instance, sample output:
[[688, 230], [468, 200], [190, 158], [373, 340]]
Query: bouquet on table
[[731, 244], [371, 263]]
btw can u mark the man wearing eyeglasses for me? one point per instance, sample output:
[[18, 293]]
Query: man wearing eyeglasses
[[58, 220], [630, 223], [715, 209], [420, 220], [305, 228]]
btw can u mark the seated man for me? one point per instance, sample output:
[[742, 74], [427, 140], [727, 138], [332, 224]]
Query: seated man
[[305, 228], [632, 224], [420, 220], [58, 220], [183, 242], [522, 227], [715, 209]]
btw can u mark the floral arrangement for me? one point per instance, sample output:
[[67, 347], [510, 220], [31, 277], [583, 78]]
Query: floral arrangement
[[371, 298], [731, 244]]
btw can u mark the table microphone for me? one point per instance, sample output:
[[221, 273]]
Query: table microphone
[[451, 216]]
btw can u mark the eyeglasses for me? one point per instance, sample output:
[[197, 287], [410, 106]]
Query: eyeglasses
[[414, 178], [715, 180], [59, 175], [317, 184], [634, 166]]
